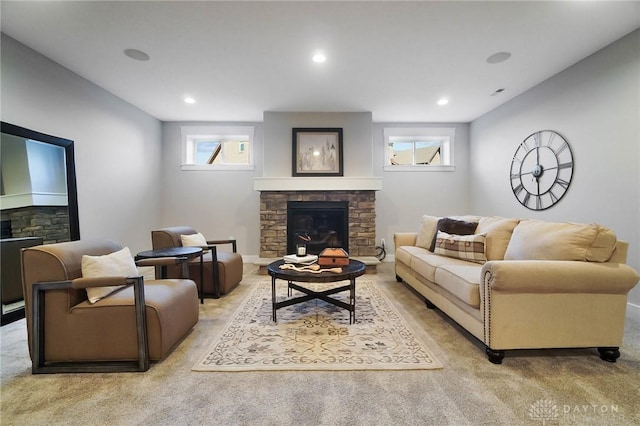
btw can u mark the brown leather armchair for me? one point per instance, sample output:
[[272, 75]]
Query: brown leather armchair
[[222, 269], [121, 332]]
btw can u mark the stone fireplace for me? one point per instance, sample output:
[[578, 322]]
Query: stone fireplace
[[274, 218]]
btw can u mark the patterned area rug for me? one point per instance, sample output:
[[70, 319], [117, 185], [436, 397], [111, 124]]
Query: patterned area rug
[[315, 335]]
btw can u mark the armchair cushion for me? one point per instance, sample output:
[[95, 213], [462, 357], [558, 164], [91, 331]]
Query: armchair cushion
[[119, 263], [193, 240]]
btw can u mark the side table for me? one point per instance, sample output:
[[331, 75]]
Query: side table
[[177, 254]]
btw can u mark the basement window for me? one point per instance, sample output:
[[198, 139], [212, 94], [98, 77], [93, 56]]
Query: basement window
[[217, 147], [418, 149]]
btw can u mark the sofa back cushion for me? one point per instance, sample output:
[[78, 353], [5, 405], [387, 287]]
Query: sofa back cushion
[[540, 240], [427, 231], [499, 231]]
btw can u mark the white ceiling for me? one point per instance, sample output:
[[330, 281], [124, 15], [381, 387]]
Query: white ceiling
[[395, 59]]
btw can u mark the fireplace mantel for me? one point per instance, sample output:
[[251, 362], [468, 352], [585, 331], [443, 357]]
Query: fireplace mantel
[[317, 184]]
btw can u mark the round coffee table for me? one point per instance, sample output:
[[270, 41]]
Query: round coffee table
[[350, 272]]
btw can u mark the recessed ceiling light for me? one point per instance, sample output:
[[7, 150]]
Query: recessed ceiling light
[[189, 100], [443, 101], [496, 58], [319, 58], [136, 54]]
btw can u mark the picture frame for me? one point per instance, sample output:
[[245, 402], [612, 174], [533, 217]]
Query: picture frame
[[317, 152]]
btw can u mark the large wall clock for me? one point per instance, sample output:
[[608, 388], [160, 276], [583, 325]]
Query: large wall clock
[[541, 170]]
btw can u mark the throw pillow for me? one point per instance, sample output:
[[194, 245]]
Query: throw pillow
[[193, 240], [116, 264], [427, 231], [453, 226], [465, 247]]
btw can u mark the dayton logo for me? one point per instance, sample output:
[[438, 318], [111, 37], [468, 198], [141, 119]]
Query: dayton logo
[[544, 410]]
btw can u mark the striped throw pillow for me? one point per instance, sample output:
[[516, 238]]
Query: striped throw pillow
[[465, 247]]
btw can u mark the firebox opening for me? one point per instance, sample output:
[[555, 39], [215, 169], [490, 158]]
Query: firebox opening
[[318, 224]]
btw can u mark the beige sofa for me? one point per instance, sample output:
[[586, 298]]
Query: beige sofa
[[522, 284]]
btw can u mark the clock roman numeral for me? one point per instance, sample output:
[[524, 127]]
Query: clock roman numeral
[[552, 135], [565, 165], [518, 189], [562, 147], [538, 202], [563, 183], [537, 139]]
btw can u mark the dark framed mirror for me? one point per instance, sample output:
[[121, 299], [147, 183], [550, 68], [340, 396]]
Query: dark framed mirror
[[39, 203]]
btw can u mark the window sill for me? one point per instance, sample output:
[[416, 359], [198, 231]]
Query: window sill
[[209, 167], [419, 168]]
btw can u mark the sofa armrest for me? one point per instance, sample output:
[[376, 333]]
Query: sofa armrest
[[547, 276], [405, 239]]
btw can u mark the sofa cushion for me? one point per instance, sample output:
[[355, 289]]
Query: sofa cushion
[[404, 254], [116, 264], [540, 240], [499, 231], [427, 231], [426, 263], [453, 226], [465, 247], [461, 280]]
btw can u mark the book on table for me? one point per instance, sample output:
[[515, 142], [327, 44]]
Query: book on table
[[302, 260]]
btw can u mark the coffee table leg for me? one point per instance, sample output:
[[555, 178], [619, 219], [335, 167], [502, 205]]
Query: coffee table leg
[[273, 297], [352, 301]]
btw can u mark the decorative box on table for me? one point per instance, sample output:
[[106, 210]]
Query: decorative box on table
[[333, 257]]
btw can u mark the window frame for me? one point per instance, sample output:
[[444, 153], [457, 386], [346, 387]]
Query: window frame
[[447, 134], [191, 135]]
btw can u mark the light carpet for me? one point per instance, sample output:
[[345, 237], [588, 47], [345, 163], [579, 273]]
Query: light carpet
[[316, 335]]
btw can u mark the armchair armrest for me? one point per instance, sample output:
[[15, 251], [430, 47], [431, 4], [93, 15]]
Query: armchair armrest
[[37, 316], [99, 282], [218, 242], [554, 276]]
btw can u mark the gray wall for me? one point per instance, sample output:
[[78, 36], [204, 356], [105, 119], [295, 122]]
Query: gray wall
[[218, 203], [356, 129], [117, 147], [407, 196], [595, 105], [223, 203]]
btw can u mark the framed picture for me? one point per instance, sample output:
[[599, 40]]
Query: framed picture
[[317, 152]]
